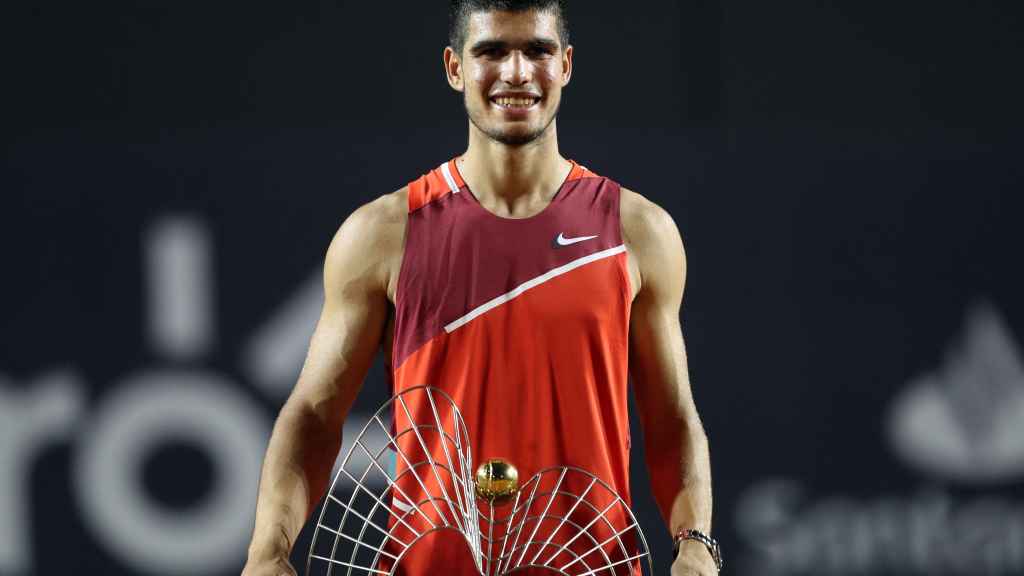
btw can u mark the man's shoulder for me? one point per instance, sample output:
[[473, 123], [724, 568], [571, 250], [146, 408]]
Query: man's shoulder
[[390, 208], [380, 220], [653, 240], [370, 240], [642, 220]]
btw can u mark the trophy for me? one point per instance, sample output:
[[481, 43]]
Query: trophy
[[406, 500]]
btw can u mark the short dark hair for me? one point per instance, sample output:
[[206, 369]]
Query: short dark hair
[[461, 10]]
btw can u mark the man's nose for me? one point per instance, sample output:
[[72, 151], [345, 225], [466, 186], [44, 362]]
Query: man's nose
[[516, 69]]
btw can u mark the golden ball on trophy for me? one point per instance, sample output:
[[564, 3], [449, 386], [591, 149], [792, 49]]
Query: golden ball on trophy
[[497, 481]]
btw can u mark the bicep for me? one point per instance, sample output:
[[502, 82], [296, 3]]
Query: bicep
[[657, 351], [351, 322]]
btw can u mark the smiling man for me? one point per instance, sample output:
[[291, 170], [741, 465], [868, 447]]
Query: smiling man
[[525, 286]]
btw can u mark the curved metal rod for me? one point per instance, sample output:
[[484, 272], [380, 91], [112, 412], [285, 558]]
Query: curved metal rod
[[520, 528]]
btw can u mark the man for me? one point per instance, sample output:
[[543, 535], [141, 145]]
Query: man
[[516, 280]]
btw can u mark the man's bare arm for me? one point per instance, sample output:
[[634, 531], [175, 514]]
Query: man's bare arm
[[307, 434], [675, 444]]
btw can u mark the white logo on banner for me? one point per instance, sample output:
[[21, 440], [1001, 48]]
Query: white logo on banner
[[148, 408], [963, 421]]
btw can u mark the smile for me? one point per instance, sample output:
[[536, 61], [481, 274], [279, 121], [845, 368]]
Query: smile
[[515, 103]]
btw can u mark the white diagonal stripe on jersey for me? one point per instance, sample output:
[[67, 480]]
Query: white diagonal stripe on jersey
[[447, 172], [495, 302]]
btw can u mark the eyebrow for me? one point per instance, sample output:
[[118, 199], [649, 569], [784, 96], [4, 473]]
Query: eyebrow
[[536, 43]]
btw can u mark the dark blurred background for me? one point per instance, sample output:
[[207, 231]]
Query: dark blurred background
[[846, 176]]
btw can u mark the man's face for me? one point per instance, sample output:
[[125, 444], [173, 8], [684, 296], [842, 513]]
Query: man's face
[[511, 72]]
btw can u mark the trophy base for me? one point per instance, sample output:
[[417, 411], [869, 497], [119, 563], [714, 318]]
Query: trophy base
[[442, 551]]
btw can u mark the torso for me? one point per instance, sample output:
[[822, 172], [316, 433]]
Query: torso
[[526, 332], [396, 205]]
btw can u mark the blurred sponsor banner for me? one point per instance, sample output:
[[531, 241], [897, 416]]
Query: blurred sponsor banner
[[959, 425]]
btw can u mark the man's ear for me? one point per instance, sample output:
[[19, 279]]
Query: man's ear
[[566, 65], [453, 69]]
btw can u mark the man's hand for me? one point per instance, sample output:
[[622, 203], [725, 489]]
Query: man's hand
[[694, 560], [271, 567]]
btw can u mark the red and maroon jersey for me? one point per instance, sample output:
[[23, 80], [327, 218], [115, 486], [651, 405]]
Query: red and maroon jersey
[[523, 322]]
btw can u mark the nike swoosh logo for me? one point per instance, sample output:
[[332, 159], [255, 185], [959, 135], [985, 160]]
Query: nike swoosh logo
[[561, 240]]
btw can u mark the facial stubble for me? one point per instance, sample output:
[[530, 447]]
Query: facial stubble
[[514, 140]]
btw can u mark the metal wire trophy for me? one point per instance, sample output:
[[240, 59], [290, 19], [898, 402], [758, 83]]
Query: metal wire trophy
[[407, 486]]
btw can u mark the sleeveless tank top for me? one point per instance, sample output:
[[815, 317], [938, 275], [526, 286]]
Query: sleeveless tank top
[[524, 323]]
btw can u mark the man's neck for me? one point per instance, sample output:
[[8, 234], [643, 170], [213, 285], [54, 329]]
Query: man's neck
[[513, 179]]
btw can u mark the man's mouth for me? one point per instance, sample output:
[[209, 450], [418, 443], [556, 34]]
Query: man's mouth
[[515, 102]]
